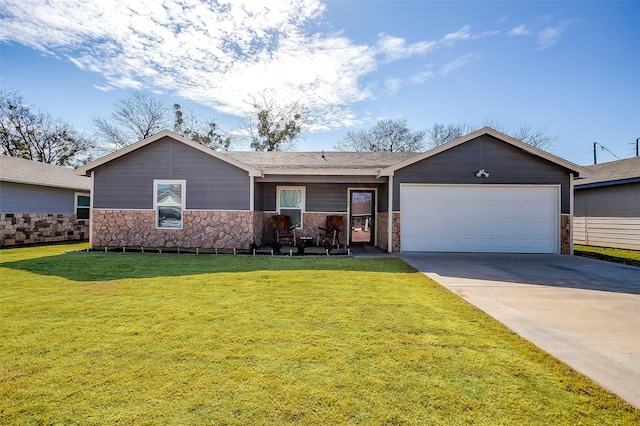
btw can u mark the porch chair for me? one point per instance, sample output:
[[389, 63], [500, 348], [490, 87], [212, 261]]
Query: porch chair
[[332, 230], [282, 229]]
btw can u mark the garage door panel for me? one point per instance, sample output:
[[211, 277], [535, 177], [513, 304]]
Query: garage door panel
[[479, 218]]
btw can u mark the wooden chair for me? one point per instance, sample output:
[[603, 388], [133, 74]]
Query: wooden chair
[[282, 229], [332, 230]]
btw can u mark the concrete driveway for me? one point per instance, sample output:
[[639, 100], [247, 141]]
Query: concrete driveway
[[584, 312]]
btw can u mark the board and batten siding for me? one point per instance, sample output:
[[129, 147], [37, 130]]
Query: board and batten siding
[[211, 184], [505, 164], [320, 197], [23, 198], [608, 216]]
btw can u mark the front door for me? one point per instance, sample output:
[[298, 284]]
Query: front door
[[362, 216]]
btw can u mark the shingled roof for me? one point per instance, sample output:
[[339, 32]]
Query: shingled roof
[[612, 173], [34, 173]]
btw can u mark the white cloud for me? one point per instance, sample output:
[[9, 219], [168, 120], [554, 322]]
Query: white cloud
[[220, 53], [217, 54], [520, 30], [545, 35], [462, 34], [457, 63], [424, 75], [395, 48], [393, 85]]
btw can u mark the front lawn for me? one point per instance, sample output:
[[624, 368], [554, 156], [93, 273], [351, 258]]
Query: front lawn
[[627, 257], [91, 338]]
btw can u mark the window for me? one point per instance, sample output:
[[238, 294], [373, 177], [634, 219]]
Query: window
[[169, 196], [83, 205], [291, 202]]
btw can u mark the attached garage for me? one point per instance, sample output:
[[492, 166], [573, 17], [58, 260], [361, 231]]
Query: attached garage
[[483, 192], [480, 218]]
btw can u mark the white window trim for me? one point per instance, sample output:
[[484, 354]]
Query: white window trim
[[75, 203], [155, 199], [304, 201]]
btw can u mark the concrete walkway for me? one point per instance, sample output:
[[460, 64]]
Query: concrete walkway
[[584, 312]]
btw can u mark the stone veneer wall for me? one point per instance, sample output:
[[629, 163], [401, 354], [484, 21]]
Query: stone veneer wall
[[565, 234], [18, 229], [310, 224], [382, 230], [258, 225], [201, 229], [395, 233]]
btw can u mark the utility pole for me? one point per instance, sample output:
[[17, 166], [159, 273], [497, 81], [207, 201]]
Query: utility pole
[[595, 160], [637, 139]]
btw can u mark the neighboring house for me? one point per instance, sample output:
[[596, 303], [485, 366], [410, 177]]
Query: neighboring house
[[607, 206], [483, 192], [41, 203]]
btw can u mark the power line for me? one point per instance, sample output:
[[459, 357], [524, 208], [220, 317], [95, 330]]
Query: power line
[[604, 148]]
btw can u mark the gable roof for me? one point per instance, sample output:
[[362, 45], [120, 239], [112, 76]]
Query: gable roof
[[320, 163], [167, 133], [577, 170], [612, 173], [18, 170]]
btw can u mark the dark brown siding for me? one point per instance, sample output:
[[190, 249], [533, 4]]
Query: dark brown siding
[[505, 164], [212, 184]]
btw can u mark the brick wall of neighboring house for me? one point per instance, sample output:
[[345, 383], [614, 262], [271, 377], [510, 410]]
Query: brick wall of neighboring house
[[201, 229], [17, 229]]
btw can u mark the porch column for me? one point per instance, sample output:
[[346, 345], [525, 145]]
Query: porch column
[[252, 185]]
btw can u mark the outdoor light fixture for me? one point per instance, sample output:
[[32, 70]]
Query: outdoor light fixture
[[482, 173]]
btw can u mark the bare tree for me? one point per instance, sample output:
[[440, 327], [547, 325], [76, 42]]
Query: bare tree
[[35, 135], [386, 135], [539, 138], [441, 133], [136, 117], [139, 116], [273, 126]]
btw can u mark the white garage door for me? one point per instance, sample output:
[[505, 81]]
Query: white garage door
[[479, 218]]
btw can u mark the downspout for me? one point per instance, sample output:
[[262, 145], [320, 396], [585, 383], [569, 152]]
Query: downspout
[[390, 218]]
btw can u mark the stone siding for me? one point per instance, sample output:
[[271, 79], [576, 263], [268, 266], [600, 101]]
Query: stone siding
[[395, 233], [565, 234], [201, 229], [17, 229], [258, 225], [382, 230]]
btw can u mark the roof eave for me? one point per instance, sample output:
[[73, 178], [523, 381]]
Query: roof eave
[[322, 172], [587, 185], [47, 184]]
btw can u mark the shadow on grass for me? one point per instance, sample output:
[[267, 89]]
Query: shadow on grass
[[80, 266]]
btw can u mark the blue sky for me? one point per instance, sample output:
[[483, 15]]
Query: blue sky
[[571, 67]]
